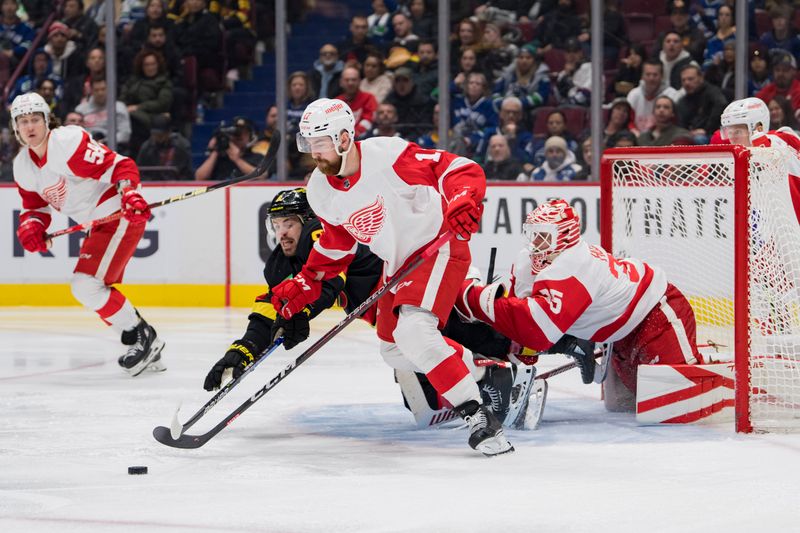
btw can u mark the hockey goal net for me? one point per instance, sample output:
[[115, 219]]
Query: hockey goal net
[[719, 220]]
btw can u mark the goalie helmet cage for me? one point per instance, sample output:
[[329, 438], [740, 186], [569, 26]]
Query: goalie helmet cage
[[720, 221]]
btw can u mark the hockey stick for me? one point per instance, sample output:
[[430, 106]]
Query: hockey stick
[[262, 168], [163, 435], [176, 428], [490, 273]]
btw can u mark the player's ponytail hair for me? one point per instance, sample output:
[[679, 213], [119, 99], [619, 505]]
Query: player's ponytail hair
[[53, 122]]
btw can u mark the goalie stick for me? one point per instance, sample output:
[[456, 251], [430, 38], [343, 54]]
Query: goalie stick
[[176, 429], [163, 435], [262, 168]]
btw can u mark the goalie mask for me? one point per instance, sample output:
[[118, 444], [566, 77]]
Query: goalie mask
[[750, 112], [550, 229], [27, 104], [322, 125]]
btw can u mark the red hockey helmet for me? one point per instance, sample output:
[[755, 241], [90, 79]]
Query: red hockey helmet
[[550, 229]]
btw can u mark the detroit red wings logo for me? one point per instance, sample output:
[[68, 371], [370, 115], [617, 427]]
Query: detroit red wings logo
[[56, 194], [366, 222]]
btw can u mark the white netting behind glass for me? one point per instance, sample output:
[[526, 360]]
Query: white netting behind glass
[[677, 211]]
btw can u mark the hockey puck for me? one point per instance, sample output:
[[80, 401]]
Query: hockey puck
[[136, 470]]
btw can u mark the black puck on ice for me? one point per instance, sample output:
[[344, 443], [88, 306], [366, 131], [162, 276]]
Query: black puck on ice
[[135, 470]]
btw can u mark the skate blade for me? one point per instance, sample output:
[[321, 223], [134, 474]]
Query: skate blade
[[497, 445], [155, 351]]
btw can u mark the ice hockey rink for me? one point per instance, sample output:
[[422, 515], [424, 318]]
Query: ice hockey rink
[[332, 449]]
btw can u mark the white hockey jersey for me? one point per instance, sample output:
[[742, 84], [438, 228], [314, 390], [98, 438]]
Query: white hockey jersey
[[394, 204], [787, 141], [588, 293], [76, 177]]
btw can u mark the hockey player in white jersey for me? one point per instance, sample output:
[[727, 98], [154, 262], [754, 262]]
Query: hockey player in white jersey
[[397, 198], [745, 122], [560, 284], [63, 168]]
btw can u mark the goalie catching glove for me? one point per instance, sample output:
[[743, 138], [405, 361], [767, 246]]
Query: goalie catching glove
[[240, 355], [295, 329]]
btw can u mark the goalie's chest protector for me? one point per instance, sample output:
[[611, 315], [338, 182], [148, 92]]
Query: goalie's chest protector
[[56, 179], [380, 209]]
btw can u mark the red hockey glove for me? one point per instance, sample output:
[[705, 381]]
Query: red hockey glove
[[292, 295], [134, 207], [31, 234], [464, 214]]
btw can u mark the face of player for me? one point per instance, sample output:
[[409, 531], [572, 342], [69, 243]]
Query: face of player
[[287, 233], [738, 134], [324, 153], [32, 128]]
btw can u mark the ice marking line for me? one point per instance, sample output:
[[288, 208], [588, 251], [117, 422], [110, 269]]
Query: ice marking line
[[126, 523], [49, 372]]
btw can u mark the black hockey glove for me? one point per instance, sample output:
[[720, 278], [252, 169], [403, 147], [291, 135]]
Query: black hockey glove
[[580, 350], [295, 329], [239, 356]]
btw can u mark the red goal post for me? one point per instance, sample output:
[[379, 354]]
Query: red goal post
[[719, 219]]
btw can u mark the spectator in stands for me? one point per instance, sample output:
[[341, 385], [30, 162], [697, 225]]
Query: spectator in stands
[[158, 40], [132, 10], [240, 39], [96, 119], [574, 82], [386, 120], [423, 22], [155, 16], [74, 118], [38, 10], [584, 160], [498, 54], [781, 114], [643, 97], [264, 139], [39, 69], [15, 35], [702, 105], [47, 89], [376, 80], [147, 93], [556, 124], [759, 70], [326, 72], [559, 163], [726, 31], [674, 58], [722, 74], [8, 150], [782, 35], [468, 38], [664, 131], [65, 56], [380, 27], [357, 45], [622, 139], [198, 35], [165, 149], [512, 127], [630, 70], [615, 34], [468, 63], [559, 25], [414, 109], [236, 159], [300, 95], [403, 36], [501, 165], [78, 88], [784, 72], [619, 118], [473, 112], [426, 76], [692, 38], [430, 139], [82, 29], [363, 104], [528, 80]]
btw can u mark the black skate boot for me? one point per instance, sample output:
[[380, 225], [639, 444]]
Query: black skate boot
[[495, 388], [144, 352], [486, 433]]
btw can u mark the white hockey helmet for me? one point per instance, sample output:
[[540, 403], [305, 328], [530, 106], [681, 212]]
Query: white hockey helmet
[[325, 118], [751, 112], [550, 229], [26, 104]]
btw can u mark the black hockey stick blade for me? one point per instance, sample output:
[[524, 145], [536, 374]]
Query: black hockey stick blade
[[164, 436]]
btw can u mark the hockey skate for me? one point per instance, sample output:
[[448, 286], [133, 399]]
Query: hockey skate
[[486, 432], [144, 352], [519, 398]]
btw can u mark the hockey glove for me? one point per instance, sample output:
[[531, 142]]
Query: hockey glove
[[240, 355], [295, 329], [292, 295], [31, 234], [463, 214], [580, 350], [134, 207]]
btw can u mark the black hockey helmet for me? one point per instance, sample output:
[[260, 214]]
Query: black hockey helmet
[[291, 202]]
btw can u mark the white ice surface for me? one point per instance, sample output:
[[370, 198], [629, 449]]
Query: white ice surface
[[331, 448]]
